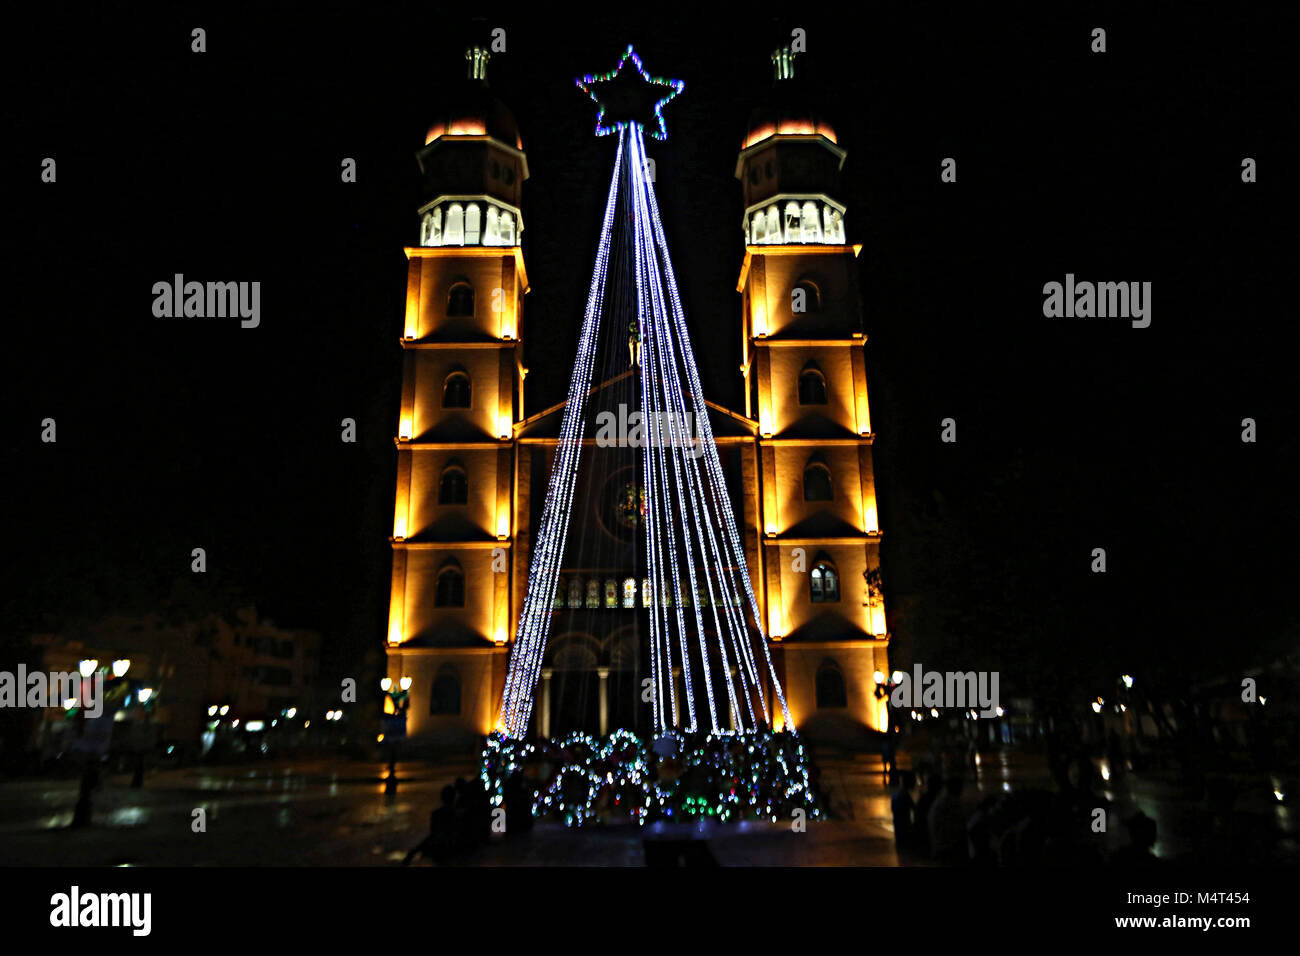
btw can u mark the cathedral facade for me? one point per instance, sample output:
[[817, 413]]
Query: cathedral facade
[[474, 459]]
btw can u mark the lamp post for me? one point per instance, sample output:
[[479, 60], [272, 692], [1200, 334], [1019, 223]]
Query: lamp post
[[147, 699], [885, 688], [90, 668], [397, 698]]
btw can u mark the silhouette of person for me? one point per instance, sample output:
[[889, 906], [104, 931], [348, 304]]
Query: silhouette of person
[[947, 824], [903, 808], [1142, 833], [441, 841]]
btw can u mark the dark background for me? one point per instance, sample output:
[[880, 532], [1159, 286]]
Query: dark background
[[175, 434]]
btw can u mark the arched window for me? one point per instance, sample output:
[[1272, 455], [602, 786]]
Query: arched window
[[456, 392], [454, 234], [444, 698], [491, 231], [575, 592], [824, 581], [810, 223], [792, 221], [593, 593], [460, 300], [472, 224], [560, 587], [435, 228], [645, 592], [453, 486], [506, 228], [828, 223], [812, 295], [817, 485], [629, 592], [611, 593], [426, 229], [830, 685], [838, 222], [812, 387], [758, 233], [451, 586], [773, 224]]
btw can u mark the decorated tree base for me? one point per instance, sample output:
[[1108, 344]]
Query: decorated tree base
[[583, 780]]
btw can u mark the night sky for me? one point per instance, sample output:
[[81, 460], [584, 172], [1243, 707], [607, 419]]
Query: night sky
[[1072, 434]]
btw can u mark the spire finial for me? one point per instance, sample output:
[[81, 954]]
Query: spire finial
[[478, 60], [782, 65]]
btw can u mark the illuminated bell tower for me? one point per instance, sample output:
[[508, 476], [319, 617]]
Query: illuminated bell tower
[[805, 383], [450, 610]]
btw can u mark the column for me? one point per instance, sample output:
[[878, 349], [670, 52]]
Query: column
[[546, 701], [604, 699]]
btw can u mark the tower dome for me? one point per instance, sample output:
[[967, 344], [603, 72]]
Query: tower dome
[[473, 165], [789, 166], [472, 110], [787, 109]]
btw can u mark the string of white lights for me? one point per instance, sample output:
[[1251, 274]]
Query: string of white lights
[[543, 575], [679, 440], [652, 282], [714, 467]]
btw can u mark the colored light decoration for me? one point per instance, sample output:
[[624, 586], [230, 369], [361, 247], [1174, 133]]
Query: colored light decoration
[[694, 550], [143, 694], [670, 88], [88, 667], [120, 667]]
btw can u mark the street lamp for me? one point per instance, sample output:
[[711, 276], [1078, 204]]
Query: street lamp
[[143, 694], [121, 666], [884, 690], [396, 701], [88, 667]]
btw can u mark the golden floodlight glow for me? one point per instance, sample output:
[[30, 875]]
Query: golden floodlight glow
[[500, 637], [504, 426], [395, 635], [404, 429], [503, 525], [399, 530]]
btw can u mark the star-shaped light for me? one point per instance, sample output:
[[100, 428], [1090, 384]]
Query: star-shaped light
[[622, 97]]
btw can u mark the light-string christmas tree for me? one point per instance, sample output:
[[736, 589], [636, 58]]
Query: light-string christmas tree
[[711, 634]]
